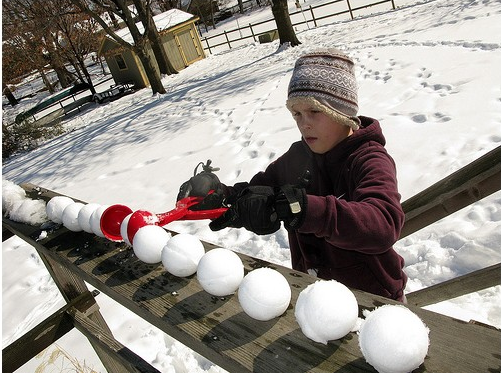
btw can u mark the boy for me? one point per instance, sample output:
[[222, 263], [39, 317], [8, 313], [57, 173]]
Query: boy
[[335, 190]]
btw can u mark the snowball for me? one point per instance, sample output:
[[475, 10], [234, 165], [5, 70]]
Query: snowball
[[70, 216], [56, 206], [123, 229], [148, 243], [181, 254], [95, 220], [84, 216], [393, 339], [326, 310], [264, 294], [220, 272]]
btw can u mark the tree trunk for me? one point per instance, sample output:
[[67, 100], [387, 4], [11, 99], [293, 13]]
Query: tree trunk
[[103, 70], [150, 69], [46, 81], [163, 61], [56, 62], [80, 66], [284, 23], [63, 75], [114, 20], [151, 31]]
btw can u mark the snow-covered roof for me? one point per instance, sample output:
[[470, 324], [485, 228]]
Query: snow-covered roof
[[164, 21]]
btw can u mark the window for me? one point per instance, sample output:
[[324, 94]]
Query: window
[[120, 62]]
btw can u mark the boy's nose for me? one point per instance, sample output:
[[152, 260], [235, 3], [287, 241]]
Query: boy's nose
[[304, 123]]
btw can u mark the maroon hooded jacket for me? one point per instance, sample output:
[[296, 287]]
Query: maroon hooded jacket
[[354, 214]]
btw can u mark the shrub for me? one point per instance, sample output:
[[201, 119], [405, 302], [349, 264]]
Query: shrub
[[27, 135]]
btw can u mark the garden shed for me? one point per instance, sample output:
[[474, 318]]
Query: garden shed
[[180, 39]]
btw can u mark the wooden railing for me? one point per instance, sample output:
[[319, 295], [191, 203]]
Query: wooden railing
[[217, 328], [313, 16]]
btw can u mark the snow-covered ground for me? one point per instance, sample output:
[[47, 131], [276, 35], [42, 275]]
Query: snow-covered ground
[[429, 72]]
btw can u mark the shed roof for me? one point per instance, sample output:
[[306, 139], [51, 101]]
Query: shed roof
[[163, 21]]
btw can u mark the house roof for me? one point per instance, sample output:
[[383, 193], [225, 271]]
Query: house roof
[[163, 21]]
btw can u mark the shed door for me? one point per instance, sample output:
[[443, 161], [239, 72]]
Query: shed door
[[187, 45]]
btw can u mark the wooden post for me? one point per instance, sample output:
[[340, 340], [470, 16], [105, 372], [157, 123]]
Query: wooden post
[[71, 287], [208, 46], [227, 39], [43, 335], [313, 17], [121, 355], [349, 8], [252, 32]]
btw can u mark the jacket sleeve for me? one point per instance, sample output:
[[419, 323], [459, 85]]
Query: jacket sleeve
[[370, 219]]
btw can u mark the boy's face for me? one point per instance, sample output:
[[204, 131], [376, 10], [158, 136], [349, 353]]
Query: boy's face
[[321, 132]]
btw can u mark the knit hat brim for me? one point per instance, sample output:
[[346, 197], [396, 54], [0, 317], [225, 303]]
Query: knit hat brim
[[352, 122], [328, 76]]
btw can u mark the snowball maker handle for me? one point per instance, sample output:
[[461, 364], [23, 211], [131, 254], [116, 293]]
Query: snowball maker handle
[[114, 215]]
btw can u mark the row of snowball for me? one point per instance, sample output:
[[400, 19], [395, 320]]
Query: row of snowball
[[392, 338], [76, 216]]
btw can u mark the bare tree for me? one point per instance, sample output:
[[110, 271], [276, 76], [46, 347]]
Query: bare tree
[[23, 44], [55, 31], [94, 8], [145, 15], [74, 35], [165, 5], [284, 25]]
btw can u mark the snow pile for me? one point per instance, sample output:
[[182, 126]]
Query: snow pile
[[264, 294], [326, 310], [393, 339], [17, 207]]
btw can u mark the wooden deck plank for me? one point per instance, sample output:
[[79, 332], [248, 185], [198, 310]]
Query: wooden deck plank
[[217, 328]]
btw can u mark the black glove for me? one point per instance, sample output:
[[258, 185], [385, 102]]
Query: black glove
[[291, 203], [261, 208], [253, 209], [200, 185]]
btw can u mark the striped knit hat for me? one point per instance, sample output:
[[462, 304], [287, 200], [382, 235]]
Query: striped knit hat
[[325, 79]]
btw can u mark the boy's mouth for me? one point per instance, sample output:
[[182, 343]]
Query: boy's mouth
[[310, 139]]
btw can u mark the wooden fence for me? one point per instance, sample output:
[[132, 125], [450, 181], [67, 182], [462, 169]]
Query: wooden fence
[[217, 328], [302, 19]]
